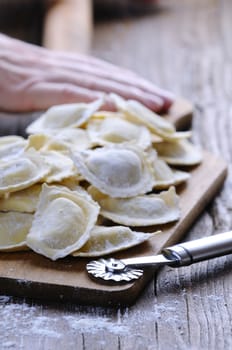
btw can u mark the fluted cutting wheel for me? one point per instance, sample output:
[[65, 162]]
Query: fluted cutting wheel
[[112, 270]]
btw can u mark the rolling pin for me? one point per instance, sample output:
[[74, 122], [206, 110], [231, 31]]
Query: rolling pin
[[68, 26]]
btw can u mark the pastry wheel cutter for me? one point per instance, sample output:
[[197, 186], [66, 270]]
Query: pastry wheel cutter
[[183, 254]]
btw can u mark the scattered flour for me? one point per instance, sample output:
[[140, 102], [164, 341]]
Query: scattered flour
[[8, 345], [87, 325], [41, 325], [19, 320]]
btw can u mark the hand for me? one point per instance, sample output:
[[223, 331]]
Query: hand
[[34, 78]]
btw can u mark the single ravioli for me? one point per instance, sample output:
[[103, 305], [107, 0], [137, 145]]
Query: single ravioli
[[62, 222], [24, 201], [73, 138], [14, 228], [22, 172], [115, 170], [43, 142], [112, 130], [107, 240], [146, 210], [63, 116], [181, 152], [166, 176], [61, 166], [138, 113], [61, 141], [11, 146]]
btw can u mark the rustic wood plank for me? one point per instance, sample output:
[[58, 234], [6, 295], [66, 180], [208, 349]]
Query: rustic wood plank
[[196, 315], [187, 308], [180, 114]]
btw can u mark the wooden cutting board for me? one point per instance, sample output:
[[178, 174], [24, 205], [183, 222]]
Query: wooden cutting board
[[180, 114], [27, 274]]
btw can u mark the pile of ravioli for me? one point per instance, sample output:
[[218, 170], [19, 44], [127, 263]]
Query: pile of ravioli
[[85, 178]]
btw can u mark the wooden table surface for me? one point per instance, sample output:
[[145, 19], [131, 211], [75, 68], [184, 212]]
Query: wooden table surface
[[184, 46]]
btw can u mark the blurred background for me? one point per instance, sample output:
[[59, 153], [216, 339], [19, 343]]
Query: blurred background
[[48, 22]]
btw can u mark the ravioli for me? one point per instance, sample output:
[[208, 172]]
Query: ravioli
[[11, 147], [14, 228], [105, 114], [119, 156], [63, 116], [43, 142], [61, 141], [62, 222], [181, 152], [111, 130], [72, 183], [22, 172], [116, 171], [145, 210], [139, 114], [180, 176], [24, 201], [61, 166], [106, 240], [73, 138], [164, 176]]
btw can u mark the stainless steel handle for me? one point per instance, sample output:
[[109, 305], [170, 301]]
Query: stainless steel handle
[[175, 256], [200, 249]]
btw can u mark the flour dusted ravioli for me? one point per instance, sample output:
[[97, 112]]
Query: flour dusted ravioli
[[180, 176], [108, 130], [24, 201], [115, 170], [144, 210], [63, 116], [11, 146], [181, 152], [57, 158], [138, 113], [106, 240], [43, 142], [22, 172], [14, 228], [164, 176], [61, 141], [105, 114], [62, 222], [73, 138], [61, 166]]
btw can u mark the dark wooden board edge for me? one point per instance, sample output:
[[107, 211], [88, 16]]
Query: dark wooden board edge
[[180, 114]]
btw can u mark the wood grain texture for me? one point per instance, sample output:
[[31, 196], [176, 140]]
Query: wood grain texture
[[186, 308]]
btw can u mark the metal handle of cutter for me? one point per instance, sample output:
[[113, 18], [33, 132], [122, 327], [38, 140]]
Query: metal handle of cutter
[[199, 250], [177, 255]]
